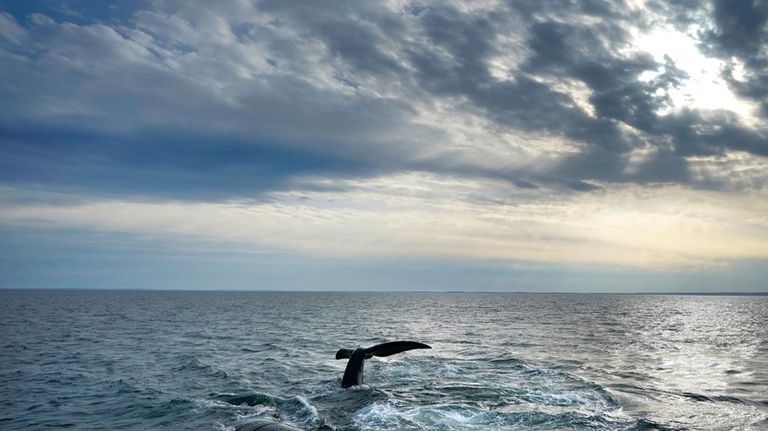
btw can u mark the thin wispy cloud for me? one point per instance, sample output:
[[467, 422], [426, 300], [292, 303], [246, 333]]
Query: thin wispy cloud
[[439, 218]]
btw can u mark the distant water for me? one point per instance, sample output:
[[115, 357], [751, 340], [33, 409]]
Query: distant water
[[92, 360]]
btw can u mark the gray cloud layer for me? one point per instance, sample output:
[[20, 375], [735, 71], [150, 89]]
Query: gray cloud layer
[[233, 99]]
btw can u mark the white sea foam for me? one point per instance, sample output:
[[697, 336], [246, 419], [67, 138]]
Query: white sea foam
[[381, 415], [221, 427], [363, 388], [307, 409], [393, 415], [449, 370], [202, 402], [244, 415]]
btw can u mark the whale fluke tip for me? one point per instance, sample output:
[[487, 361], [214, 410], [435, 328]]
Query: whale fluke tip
[[394, 347], [344, 353]]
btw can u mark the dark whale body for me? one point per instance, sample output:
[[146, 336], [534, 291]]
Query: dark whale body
[[353, 374], [265, 425]]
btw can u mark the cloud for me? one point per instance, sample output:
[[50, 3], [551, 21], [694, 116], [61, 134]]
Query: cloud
[[734, 32], [418, 216], [10, 29], [473, 135], [178, 100]]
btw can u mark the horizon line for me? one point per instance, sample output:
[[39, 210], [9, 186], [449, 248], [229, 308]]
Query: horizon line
[[520, 292]]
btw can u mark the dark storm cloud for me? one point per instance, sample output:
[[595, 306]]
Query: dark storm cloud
[[186, 100], [588, 52], [521, 102], [741, 28], [576, 51], [580, 52]]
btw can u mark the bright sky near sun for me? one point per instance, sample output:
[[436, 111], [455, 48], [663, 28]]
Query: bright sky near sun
[[600, 146], [704, 88]]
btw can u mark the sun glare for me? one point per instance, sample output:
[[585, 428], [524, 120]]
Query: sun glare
[[704, 87]]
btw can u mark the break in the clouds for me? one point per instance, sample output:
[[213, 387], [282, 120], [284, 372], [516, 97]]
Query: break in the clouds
[[618, 133]]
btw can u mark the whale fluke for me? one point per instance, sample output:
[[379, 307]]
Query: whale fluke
[[394, 347], [344, 354], [353, 374]]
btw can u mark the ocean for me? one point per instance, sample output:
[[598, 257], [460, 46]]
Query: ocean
[[143, 360]]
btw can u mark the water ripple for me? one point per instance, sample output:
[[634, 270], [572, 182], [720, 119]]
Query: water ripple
[[205, 360]]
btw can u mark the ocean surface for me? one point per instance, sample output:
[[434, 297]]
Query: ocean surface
[[137, 360]]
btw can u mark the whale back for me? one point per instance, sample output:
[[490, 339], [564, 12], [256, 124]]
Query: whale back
[[265, 425]]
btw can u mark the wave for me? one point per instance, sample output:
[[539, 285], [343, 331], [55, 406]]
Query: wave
[[252, 399], [395, 414], [195, 364], [723, 399]]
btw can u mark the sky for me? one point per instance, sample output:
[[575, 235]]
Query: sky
[[522, 145]]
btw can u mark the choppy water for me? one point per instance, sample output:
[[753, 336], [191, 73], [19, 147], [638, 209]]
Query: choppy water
[[205, 360]]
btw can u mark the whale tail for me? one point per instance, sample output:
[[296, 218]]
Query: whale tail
[[385, 349], [394, 347], [344, 354], [353, 374]]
